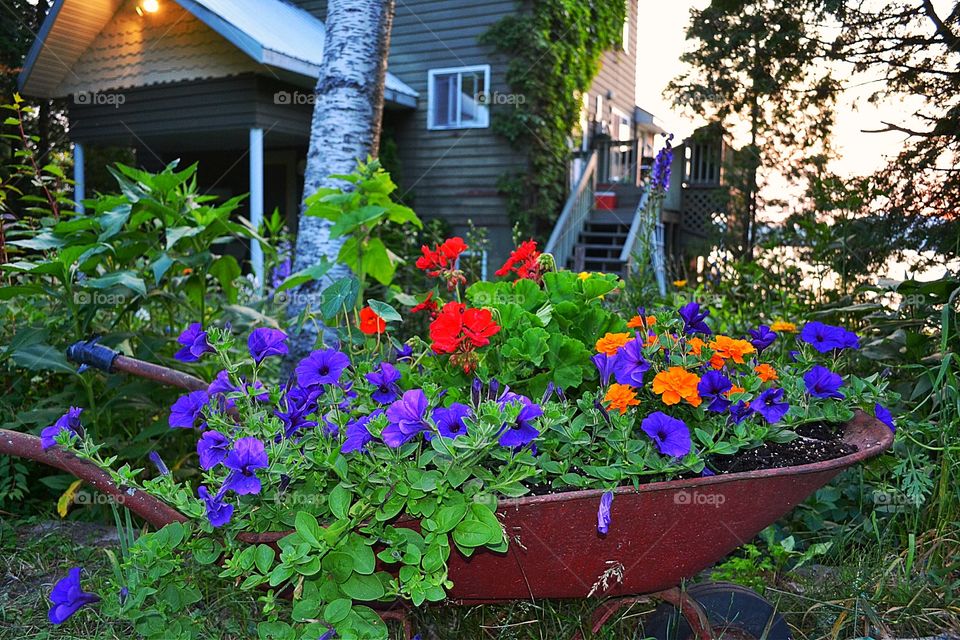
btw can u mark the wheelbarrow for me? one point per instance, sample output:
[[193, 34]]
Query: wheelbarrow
[[661, 534]]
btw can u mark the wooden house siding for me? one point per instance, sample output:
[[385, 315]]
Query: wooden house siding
[[169, 46], [618, 74]]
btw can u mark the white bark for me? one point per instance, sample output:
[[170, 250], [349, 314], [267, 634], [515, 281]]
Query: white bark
[[346, 126]]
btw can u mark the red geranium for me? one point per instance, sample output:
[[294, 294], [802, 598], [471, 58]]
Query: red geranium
[[370, 322], [458, 330], [428, 304], [441, 261], [524, 261]]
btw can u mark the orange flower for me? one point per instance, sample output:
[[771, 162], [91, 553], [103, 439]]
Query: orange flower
[[636, 322], [728, 348], [696, 345], [677, 383], [609, 343], [621, 397], [716, 361], [734, 389], [783, 325], [370, 322], [766, 372], [679, 283]]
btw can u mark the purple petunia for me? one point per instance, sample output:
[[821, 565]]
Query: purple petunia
[[243, 460], [603, 513], [693, 318], [385, 380], [521, 431], [450, 421], [630, 364], [322, 367], [158, 463], [605, 365], [69, 422], [823, 383], [739, 412], [298, 403], [770, 405], [212, 448], [671, 435], [280, 273], [407, 418], [713, 387], [762, 337], [68, 596], [404, 353], [218, 512], [188, 409], [194, 341], [358, 435], [265, 342], [825, 338], [884, 416]]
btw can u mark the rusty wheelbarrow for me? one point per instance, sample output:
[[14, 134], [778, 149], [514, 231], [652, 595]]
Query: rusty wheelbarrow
[[661, 535]]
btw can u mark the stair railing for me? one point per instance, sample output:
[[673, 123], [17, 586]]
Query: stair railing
[[574, 216], [645, 239]]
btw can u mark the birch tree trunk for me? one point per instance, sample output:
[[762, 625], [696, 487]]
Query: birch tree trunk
[[347, 119]]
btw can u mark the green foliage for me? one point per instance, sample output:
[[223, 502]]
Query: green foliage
[[554, 53]]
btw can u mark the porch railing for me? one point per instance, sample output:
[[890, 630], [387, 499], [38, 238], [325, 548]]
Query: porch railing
[[619, 161], [646, 230], [574, 215]]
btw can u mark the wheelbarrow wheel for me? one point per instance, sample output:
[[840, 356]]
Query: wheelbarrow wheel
[[734, 612]]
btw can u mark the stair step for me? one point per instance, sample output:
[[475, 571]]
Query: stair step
[[606, 229], [617, 216], [609, 239]]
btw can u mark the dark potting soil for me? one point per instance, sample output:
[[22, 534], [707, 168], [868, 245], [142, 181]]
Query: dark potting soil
[[816, 443]]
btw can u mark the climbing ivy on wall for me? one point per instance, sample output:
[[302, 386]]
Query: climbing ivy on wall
[[554, 48]]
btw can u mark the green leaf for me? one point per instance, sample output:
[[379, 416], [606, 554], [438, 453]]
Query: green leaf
[[474, 533], [176, 234], [160, 267], [315, 272], [126, 279], [361, 587], [385, 311], [226, 270], [449, 517], [341, 294], [308, 528], [339, 502], [338, 564], [264, 558], [42, 357], [337, 611]]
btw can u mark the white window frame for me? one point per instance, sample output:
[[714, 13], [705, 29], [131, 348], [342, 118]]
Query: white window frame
[[483, 110], [625, 36]]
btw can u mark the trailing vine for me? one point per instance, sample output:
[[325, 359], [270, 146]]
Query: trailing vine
[[554, 50]]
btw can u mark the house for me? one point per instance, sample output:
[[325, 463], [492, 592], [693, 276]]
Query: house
[[229, 84]]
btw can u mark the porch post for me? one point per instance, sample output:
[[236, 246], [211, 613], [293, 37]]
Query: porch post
[[79, 180], [256, 200]]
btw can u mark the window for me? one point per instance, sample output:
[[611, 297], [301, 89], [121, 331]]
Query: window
[[458, 98], [625, 38]]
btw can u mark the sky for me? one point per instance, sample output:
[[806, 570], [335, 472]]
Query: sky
[[662, 40]]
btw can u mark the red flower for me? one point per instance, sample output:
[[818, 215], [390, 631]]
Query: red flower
[[428, 304], [524, 261], [458, 329], [442, 258], [452, 248], [370, 322]]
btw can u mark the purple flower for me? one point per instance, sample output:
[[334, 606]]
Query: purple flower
[[194, 341], [159, 463], [188, 409], [671, 435], [706, 473], [630, 364], [321, 367], [740, 412], [385, 380], [68, 596], [243, 460], [450, 421], [762, 337], [218, 512], [257, 391], [823, 383], [693, 318], [69, 422], [712, 387], [358, 435], [521, 431], [280, 273], [603, 513], [660, 173], [330, 634], [212, 447], [406, 418], [770, 405], [221, 384], [884, 416], [404, 353], [265, 342], [299, 403], [826, 338], [605, 365]]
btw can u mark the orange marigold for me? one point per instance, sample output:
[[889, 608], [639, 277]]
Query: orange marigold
[[609, 343], [638, 322], [675, 384], [621, 397], [696, 345], [734, 389], [783, 325], [766, 372], [728, 348]]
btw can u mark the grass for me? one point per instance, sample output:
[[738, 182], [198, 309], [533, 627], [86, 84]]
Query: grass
[[875, 592]]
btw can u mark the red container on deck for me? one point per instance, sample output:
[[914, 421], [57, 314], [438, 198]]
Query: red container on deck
[[605, 200]]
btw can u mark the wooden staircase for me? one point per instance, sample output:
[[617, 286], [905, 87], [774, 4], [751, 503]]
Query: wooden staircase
[[600, 244]]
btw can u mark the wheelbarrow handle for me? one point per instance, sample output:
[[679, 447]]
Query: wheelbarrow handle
[[88, 353]]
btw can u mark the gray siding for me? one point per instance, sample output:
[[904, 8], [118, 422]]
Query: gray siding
[[618, 74]]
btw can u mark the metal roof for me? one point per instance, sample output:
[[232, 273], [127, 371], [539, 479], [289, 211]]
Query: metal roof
[[271, 32]]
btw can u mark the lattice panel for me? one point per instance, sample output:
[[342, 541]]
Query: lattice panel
[[700, 210]]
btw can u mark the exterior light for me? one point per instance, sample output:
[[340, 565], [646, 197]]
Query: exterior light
[[150, 6]]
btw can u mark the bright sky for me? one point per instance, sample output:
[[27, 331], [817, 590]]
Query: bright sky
[[662, 40]]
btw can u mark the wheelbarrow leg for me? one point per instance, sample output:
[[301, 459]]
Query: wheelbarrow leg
[[694, 614]]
